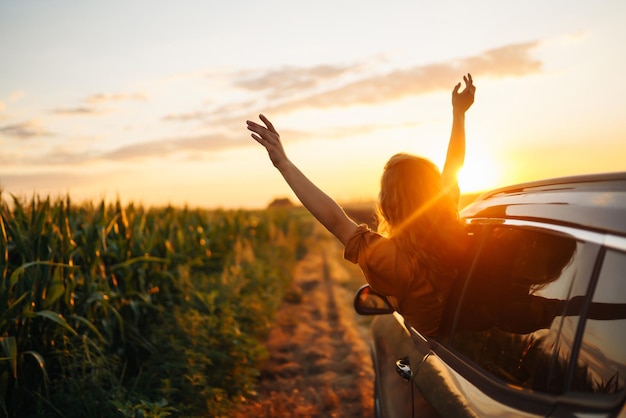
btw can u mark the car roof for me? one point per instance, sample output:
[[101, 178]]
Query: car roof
[[594, 202]]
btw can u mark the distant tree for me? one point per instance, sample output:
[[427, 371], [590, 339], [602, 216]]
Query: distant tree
[[280, 203]]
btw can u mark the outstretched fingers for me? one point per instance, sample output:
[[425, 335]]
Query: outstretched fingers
[[254, 127], [469, 83], [264, 135], [267, 123], [269, 138], [462, 100], [257, 132]]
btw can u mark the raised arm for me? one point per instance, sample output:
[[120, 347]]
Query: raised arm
[[325, 209], [455, 156]]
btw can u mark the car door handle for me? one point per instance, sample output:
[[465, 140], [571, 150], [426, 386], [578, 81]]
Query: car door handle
[[403, 367]]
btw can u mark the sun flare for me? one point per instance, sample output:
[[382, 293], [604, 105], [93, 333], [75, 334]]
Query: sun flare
[[480, 172]]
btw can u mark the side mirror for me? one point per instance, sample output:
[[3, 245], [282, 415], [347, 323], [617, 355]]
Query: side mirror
[[369, 302]]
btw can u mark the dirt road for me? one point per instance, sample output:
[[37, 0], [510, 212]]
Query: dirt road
[[319, 363]]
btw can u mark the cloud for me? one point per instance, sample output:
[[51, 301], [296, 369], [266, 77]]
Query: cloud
[[25, 130], [94, 101], [286, 81], [289, 89], [216, 114], [185, 117], [76, 111], [2, 107], [509, 61], [232, 135], [325, 87], [183, 145], [57, 156], [115, 97]]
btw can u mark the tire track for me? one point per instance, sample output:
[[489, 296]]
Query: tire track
[[318, 364]]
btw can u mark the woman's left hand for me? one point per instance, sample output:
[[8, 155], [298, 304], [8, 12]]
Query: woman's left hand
[[463, 100]]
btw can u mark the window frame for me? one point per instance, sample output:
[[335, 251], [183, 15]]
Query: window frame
[[595, 280]]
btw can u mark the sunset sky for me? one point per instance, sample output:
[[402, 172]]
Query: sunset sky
[[147, 100]]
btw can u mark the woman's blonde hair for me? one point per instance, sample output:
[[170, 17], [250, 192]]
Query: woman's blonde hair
[[417, 211]]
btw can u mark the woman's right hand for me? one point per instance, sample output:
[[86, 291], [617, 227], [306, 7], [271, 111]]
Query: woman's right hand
[[269, 138], [326, 210]]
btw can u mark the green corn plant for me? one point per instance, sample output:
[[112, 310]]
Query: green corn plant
[[105, 304]]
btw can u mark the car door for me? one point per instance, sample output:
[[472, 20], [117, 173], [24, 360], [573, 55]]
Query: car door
[[394, 355], [510, 333]]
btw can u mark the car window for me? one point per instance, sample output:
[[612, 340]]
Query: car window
[[601, 365], [523, 297]]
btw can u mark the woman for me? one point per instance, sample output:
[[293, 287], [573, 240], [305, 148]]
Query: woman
[[412, 257]]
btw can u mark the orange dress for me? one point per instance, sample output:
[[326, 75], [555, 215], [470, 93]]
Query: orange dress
[[388, 271]]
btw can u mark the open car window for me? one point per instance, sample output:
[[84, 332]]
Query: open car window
[[520, 308]]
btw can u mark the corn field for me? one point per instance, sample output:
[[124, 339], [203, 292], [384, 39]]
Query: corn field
[[112, 311]]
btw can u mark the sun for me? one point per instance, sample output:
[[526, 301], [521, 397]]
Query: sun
[[480, 172]]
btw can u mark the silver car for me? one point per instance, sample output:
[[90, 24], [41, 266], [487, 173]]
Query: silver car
[[536, 322]]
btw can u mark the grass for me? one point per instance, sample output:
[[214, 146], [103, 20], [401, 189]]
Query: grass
[[111, 310]]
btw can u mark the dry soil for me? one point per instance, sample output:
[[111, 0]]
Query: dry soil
[[319, 363]]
